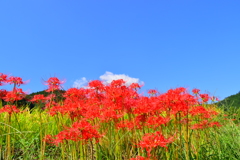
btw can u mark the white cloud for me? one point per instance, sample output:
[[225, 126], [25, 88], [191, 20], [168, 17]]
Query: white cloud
[[80, 83], [108, 77]]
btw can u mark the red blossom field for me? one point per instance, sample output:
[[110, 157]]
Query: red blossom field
[[114, 121]]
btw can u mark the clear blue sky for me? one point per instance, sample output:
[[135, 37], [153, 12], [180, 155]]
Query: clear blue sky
[[165, 44]]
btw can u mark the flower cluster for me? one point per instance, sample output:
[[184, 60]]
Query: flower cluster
[[38, 98], [15, 80], [154, 140], [79, 131], [53, 84], [3, 79], [9, 109], [92, 110], [14, 95]]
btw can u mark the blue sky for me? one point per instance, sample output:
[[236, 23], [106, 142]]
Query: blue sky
[[163, 44]]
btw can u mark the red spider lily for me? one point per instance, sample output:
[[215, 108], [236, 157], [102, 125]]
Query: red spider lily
[[98, 85], [214, 124], [3, 93], [72, 109], [9, 109], [15, 95], [82, 130], [156, 121], [15, 80], [50, 104], [3, 79], [108, 103], [38, 98], [126, 124], [177, 100], [120, 98], [117, 83], [198, 110], [53, 84], [140, 158], [195, 91], [56, 109], [140, 120], [152, 92], [203, 112], [76, 103], [128, 110], [107, 115], [50, 97], [135, 86], [205, 124], [153, 140], [74, 94], [210, 114], [137, 123], [204, 97], [143, 106]]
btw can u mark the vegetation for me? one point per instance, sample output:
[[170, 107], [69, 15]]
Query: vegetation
[[231, 101], [115, 122]]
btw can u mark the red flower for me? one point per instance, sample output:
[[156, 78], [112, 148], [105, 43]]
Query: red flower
[[53, 84], [135, 86], [15, 95], [96, 84], [152, 92], [55, 109], [117, 83], [140, 158], [9, 109], [126, 125], [15, 80], [214, 124], [3, 93], [198, 110], [82, 130], [3, 79], [195, 91], [38, 98], [156, 121], [153, 140], [205, 124], [50, 97], [204, 97]]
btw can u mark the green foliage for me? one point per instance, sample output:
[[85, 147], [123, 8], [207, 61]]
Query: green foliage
[[233, 101]]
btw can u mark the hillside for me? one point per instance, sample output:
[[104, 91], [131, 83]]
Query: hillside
[[233, 100]]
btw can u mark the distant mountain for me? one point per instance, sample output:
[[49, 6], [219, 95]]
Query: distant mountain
[[233, 101]]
